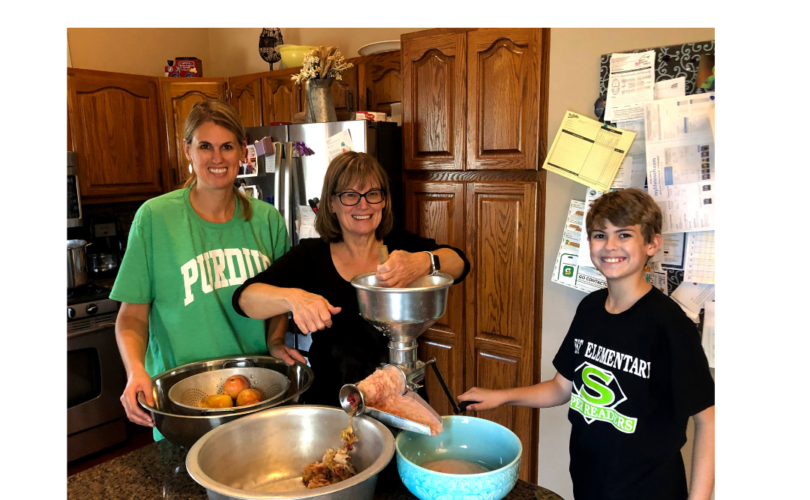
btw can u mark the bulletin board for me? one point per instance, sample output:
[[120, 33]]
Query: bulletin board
[[693, 61]]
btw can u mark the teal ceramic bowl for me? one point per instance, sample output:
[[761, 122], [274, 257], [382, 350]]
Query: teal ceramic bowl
[[464, 438]]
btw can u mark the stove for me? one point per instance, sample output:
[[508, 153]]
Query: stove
[[96, 376], [88, 307]]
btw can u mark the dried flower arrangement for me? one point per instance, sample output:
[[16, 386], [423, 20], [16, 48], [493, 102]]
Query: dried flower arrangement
[[323, 62]]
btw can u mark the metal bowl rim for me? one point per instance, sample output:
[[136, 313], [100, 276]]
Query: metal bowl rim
[[188, 366], [205, 481], [456, 476], [356, 283]]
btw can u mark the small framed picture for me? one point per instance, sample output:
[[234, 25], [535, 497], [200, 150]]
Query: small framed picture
[[249, 166], [251, 191], [704, 148], [707, 201], [706, 177], [704, 154], [707, 187]]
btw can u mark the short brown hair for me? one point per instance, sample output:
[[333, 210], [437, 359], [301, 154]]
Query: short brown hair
[[224, 115], [623, 208], [344, 171]]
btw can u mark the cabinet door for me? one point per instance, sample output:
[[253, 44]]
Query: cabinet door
[[500, 300], [434, 101], [344, 94], [114, 120], [178, 99], [381, 81], [245, 94], [503, 105], [281, 97], [436, 210]]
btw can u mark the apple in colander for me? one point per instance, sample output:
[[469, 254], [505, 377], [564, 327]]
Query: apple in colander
[[248, 397], [218, 401], [234, 385]]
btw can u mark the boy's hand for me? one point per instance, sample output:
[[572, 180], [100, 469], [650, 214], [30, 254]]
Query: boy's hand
[[487, 398]]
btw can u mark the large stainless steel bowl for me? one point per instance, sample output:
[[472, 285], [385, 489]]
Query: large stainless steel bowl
[[402, 314], [263, 454], [185, 430]]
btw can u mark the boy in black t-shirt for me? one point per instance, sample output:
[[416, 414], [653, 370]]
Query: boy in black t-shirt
[[632, 368]]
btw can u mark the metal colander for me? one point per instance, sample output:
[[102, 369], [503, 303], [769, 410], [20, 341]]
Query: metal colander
[[188, 394]]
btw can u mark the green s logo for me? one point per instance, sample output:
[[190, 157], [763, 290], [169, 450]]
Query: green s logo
[[597, 380]]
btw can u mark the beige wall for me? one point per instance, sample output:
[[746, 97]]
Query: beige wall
[[140, 51], [235, 51], [574, 85], [224, 51]]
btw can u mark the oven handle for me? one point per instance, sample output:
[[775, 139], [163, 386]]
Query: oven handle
[[100, 326]]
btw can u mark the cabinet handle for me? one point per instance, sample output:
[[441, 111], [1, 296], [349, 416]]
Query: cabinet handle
[[174, 178], [349, 102], [368, 99]]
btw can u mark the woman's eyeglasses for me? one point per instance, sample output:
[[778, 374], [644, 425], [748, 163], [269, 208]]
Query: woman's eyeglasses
[[352, 198]]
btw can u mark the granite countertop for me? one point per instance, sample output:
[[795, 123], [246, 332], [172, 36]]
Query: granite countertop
[[158, 471]]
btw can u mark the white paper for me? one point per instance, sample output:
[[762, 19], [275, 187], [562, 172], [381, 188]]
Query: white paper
[[306, 223], [671, 252], [708, 332], [339, 143], [691, 297], [699, 260], [591, 195], [270, 164], [566, 269], [681, 162], [666, 89], [630, 85]]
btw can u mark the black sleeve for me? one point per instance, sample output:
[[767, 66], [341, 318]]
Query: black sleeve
[[411, 242], [692, 383], [286, 272]]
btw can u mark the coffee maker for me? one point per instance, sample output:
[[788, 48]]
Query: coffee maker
[[104, 255]]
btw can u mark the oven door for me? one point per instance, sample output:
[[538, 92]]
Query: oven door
[[96, 379]]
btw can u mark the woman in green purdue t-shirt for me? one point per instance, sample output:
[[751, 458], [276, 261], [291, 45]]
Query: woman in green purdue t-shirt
[[188, 251]]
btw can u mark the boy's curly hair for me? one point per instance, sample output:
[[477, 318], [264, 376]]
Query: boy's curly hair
[[623, 208]]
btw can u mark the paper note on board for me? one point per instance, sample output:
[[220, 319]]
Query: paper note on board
[[665, 89], [681, 162], [586, 152], [566, 269], [691, 297], [339, 143], [630, 85]]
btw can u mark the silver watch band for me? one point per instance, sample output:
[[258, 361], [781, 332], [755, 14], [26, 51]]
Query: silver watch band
[[432, 266]]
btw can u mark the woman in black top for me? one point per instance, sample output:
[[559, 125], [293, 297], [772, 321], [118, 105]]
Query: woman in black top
[[313, 279]]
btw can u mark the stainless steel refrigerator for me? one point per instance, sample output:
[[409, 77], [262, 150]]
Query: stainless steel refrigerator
[[289, 183]]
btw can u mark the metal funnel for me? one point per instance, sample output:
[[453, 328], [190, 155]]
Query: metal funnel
[[402, 314]]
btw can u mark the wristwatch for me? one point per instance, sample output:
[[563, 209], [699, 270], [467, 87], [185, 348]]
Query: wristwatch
[[435, 265]]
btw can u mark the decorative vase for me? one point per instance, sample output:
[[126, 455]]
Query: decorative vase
[[320, 108]]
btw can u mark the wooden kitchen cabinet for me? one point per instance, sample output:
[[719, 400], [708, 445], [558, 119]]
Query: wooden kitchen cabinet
[[380, 77], [179, 95], [281, 97], [503, 101], [114, 127], [474, 131], [436, 210], [434, 100], [500, 341], [245, 95]]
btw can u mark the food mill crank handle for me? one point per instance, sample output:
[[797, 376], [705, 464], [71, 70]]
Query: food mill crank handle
[[456, 410]]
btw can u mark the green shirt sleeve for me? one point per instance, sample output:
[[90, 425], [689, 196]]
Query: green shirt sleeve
[[134, 281]]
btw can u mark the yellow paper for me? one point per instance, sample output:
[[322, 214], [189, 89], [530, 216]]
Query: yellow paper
[[585, 152]]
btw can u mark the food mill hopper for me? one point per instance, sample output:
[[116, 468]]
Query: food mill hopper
[[402, 314]]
